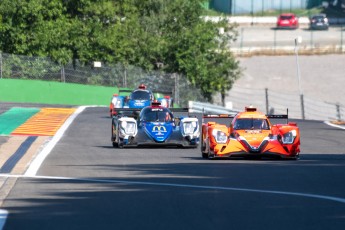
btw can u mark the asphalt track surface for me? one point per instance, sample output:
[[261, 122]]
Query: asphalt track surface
[[85, 183]]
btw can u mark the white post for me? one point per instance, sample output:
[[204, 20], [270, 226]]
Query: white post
[[298, 40]]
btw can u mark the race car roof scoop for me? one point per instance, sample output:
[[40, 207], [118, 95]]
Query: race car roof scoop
[[156, 103], [250, 109]]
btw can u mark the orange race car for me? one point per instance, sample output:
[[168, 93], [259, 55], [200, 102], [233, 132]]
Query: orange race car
[[250, 134]]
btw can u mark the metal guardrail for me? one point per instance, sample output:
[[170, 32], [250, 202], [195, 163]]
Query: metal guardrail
[[199, 107], [300, 106]]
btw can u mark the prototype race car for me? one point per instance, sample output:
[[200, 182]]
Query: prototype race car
[[250, 134], [154, 125], [139, 98]]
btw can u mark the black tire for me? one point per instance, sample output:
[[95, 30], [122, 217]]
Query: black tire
[[113, 139], [120, 141], [120, 144], [203, 149]]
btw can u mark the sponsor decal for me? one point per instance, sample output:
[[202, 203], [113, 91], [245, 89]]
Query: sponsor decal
[[255, 131], [159, 129], [139, 103]]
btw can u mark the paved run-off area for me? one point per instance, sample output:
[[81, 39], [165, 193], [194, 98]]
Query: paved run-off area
[[322, 77]]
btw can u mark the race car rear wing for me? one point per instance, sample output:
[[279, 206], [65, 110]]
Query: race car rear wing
[[279, 116], [129, 112], [164, 92], [125, 91], [226, 116], [134, 112], [179, 110], [270, 116], [218, 116]]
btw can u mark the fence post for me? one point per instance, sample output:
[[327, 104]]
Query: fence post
[[177, 96], [252, 12], [338, 111], [266, 96], [262, 7], [312, 40], [63, 77], [275, 40], [341, 39], [0, 65], [124, 80], [302, 106], [241, 43], [234, 8]]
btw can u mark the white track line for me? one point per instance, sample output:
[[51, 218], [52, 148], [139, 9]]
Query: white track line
[[3, 217], [307, 195], [37, 162]]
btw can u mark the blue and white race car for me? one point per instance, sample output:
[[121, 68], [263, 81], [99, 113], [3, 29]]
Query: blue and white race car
[[154, 125], [138, 99]]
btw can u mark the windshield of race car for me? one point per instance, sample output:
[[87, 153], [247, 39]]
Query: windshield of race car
[[141, 95], [251, 123], [156, 115]]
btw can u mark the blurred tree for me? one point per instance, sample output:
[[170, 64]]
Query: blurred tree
[[170, 35]]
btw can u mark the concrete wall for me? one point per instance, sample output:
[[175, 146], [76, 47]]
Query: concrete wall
[[247, 6]]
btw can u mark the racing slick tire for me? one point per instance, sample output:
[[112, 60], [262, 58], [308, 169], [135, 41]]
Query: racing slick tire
[[120, 140], [120, 143], [205, 150], [113, 139]]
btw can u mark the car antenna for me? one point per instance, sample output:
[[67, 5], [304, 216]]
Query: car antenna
[[287, 115]]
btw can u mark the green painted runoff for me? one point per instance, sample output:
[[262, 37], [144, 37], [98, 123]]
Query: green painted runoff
[[14, 117]]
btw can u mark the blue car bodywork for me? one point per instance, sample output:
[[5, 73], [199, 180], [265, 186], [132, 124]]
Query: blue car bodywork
[[138, 99], [154, 126]]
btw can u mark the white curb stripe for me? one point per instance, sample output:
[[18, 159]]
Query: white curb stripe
[[3, 217], [334, 125], [37, 162]]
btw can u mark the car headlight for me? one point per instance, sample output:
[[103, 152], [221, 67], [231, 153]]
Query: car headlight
[[189, 127], [128, 128], [289, 137], [219, 136]]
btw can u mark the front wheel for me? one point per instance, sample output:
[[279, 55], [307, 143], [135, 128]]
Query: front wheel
[[113, 137]]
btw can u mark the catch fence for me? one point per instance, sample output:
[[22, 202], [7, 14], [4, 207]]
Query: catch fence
[[127, 76], [34, 68], [299, 106]]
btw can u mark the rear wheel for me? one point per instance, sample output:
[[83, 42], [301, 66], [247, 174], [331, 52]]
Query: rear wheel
[[205, 150], [120, 143]]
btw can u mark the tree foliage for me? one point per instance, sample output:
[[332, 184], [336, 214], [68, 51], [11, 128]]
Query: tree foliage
[[167, 34]]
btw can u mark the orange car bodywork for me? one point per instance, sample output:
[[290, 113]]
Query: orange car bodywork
[[279, 140]]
